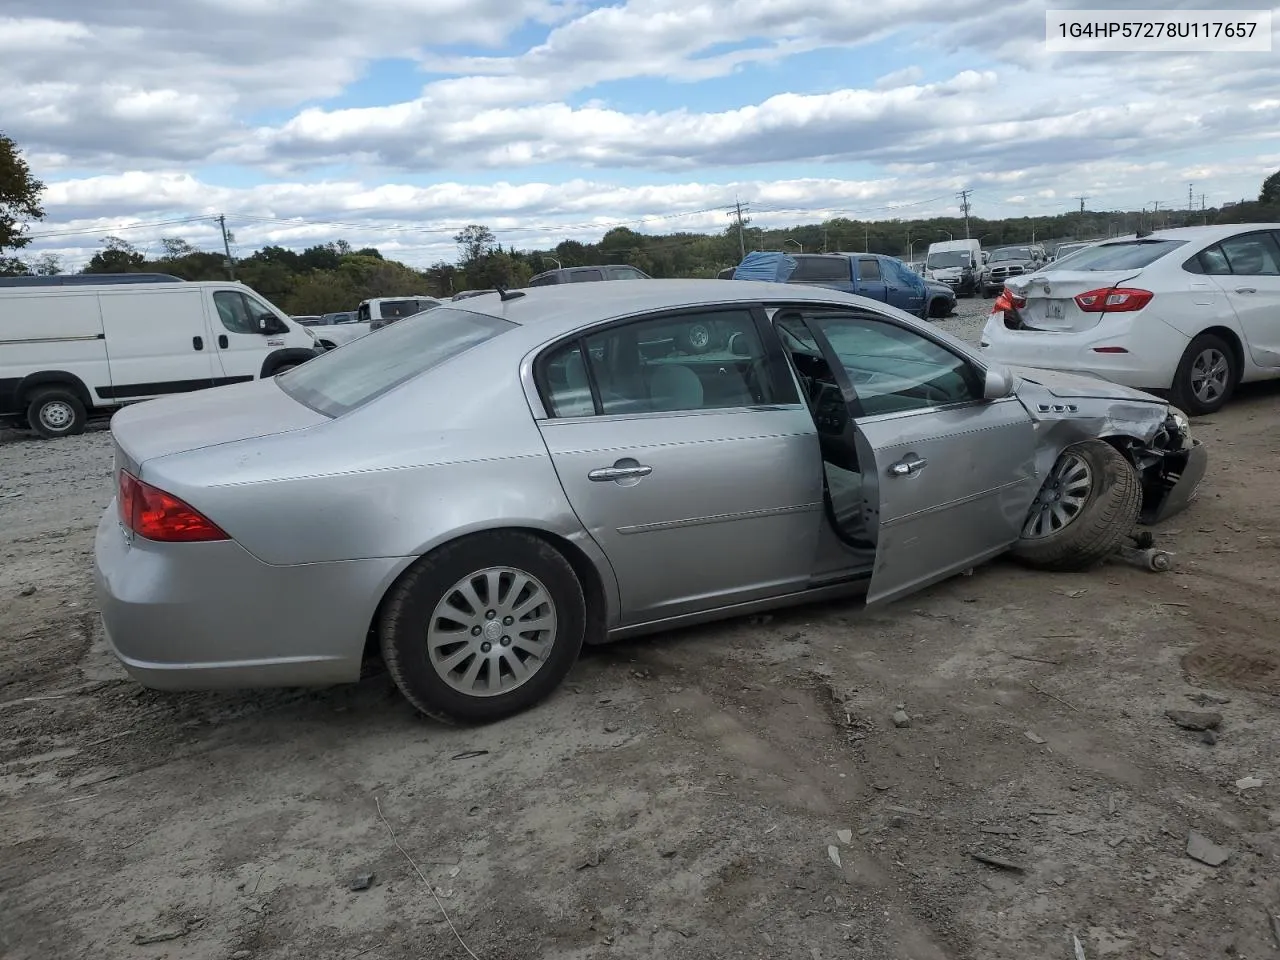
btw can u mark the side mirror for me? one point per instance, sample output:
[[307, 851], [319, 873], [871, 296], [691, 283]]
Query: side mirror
[[998, 383]]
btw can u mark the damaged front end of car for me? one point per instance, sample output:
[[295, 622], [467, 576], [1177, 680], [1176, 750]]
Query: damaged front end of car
[[1154, 436], [1171, 465]]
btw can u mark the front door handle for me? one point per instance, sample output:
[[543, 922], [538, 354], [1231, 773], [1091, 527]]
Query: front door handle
[[908, 466], [197, 343], [621, 470], [1246, 289], [222, 341]]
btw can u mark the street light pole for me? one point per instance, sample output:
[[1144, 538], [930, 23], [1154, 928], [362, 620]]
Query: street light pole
[[543, 256], [799, 245]]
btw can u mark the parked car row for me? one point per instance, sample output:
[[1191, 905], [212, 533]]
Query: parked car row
[[872, 275], [1193, 311]]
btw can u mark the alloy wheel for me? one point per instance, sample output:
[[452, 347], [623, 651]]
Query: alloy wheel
[[1060, 500], [1209, 374], [492, 631]]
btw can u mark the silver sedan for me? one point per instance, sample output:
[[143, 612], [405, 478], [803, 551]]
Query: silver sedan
[[476, 492]]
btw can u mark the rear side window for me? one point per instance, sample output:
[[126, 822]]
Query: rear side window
[[544, 280], [585, 276], [1126, 255], [399, 309], [1211, 261], [868, 270], [342, 380], [821, 268], [1252, 255]]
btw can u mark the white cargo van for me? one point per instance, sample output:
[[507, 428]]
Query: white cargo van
[[76, 347], [957, 263]]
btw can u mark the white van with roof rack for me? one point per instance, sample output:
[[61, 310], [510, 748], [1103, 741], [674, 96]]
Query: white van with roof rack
[[80, 346]]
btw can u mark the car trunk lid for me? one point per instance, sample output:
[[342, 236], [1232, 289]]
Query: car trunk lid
[[206, 418], [1050, 298]]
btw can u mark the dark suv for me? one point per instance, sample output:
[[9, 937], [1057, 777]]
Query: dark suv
[[611, 271]]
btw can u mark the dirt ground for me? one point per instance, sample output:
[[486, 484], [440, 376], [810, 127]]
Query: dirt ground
[[683, 797]]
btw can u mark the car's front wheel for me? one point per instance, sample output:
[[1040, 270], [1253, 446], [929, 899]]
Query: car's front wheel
[[484, 627], [1087, 506], [1207, 375]]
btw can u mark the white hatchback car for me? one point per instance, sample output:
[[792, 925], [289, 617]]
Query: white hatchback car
[[1193, 311]]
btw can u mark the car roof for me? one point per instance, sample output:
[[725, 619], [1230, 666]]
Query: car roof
[[565, 307], [1206, 234]]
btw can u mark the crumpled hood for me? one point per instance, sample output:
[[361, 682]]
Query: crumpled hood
[[1080, 386]]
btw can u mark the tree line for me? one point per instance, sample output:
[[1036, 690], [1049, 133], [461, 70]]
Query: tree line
[[333, 276]]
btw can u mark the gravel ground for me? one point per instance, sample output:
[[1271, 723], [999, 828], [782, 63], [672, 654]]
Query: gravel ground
[[687, 796]]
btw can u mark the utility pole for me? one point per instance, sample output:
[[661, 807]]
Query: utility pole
[[964, 205], [866, 237], [226, 245], [742, 239], [824, 237], [1191, 203], [1082, 200], [1204, 213]]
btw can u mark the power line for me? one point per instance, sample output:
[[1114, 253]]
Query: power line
[[98, 231]]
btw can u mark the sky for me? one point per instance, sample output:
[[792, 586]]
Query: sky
[[392, 123]]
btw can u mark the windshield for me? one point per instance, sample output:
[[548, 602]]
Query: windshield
[[341, 380], [1012, 253], [1125, 255], [951, 258]]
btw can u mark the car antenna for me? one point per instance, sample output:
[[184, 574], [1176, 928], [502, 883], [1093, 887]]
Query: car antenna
[[506, 294]]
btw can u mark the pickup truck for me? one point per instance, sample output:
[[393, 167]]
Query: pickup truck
[[871, 275]]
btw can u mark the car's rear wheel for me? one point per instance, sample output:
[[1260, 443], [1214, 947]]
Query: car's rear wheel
[[1085, 509], [1207, 375], [484, 627], [56, 412]]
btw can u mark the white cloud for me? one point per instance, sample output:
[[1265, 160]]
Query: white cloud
[[145, 93]]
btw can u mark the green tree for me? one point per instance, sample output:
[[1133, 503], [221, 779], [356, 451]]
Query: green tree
[[117, 256], [1270, 193], [474, 242], [19, 196], [47, 265]]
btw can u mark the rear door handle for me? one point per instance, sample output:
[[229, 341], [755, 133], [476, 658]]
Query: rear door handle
[[1246, 289], [222, 341], [197, 343], [619, 471], [908, 466]]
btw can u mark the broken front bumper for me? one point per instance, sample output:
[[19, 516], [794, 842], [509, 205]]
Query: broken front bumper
[[1172, 482]]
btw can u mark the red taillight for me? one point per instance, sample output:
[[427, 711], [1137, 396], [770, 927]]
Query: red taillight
[[156, 515], [1113, 300], [1008, 300]]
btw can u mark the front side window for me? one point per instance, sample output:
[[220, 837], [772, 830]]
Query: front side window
[[893, 369], [868, 270], [365, 369], [710, 360], [235, 313], [585, 276], [626, 273], [1252, 255]]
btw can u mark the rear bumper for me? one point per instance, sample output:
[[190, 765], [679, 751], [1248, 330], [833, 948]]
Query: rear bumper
[[205, 616], [1150, 362]]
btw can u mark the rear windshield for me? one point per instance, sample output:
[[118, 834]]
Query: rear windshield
[[341, 380], [1125, 255]]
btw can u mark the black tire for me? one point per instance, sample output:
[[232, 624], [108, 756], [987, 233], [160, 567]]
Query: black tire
[[1183, 389], [408, 611], [1100, 526], [56, 412]]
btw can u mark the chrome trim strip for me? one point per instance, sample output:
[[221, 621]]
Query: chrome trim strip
[[719, 518], [937, 508]]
